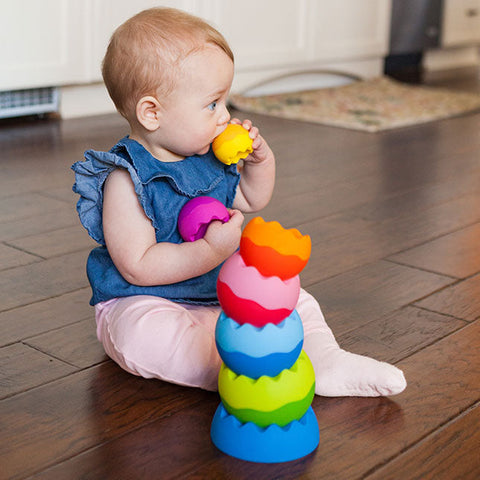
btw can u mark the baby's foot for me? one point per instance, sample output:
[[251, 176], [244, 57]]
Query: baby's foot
[[343, 374]]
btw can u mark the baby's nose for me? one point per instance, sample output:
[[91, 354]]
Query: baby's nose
[[224, 117]]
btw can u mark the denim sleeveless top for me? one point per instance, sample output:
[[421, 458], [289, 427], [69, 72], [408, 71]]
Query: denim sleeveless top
[[162, 189]]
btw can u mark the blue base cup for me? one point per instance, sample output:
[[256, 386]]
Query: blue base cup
[[272, 444]]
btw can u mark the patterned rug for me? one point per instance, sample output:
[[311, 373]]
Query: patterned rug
[[370, 105]]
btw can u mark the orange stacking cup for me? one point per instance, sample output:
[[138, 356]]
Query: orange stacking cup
[[274, 250]]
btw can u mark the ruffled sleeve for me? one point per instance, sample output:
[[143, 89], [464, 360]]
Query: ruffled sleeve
[[90, 176]]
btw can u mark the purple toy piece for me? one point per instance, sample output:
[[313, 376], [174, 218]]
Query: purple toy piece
[[197, 214]]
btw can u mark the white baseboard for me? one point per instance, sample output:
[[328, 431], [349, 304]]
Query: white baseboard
[[247, 80], [93, 99], [451, 58], [85, 100]]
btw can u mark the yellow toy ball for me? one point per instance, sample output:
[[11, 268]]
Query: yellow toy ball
[[233, 144]]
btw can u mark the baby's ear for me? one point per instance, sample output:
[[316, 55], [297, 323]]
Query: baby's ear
[[148, 113]]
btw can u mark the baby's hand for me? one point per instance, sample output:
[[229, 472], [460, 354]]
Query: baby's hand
[[224, 238], [261, 150]]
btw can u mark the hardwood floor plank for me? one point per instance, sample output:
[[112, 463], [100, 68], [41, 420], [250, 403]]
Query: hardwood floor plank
[[393, 157], [26, 206], [382, 177], [455, 254], [365, 294], [100, 128], [303, 207], [13, 257], [46, 315], [148, 452], [372, 176], [75, 344], [32, 283], [451, 452], [24, 368], [56, 242], [54, 422], [399, 334], [355, 434], [346, 241], [19, 134], [65, 216], [358, 434], [393, 217], [40, 168], [399, 200], [461, 300], [63, 192]]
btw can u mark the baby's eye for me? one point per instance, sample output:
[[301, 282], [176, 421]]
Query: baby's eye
[[212, 106]]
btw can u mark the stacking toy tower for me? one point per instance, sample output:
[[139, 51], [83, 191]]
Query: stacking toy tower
[[266, 382]]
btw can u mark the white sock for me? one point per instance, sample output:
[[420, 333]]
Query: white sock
[[339, 373], [343, 374]]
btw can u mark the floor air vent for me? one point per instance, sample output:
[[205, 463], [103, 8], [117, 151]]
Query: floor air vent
[[16, 103]]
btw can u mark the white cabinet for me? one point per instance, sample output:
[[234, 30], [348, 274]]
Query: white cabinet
[[460, 37], [62, 42], [42, 43], [270, 33], [346, 29], [107, 15], [262, 33], [272, 37], [461, 22]]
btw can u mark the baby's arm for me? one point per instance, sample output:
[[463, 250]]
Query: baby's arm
[[258, 174], [130, 240]]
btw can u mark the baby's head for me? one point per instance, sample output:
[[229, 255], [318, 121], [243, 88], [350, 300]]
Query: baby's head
[[145, 52]]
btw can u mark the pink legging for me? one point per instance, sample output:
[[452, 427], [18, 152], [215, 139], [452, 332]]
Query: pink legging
[[156, 338]]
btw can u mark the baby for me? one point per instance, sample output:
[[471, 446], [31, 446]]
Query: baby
[[169, 74]]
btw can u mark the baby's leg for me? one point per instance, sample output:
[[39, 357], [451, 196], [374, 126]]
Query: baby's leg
[[155, 338], [339, 373]]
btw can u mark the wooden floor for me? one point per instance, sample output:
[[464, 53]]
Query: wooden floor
[[395, 223]]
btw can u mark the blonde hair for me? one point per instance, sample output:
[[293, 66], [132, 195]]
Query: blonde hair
[[144, 52]]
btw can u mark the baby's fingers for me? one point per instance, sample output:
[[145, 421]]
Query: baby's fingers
[[246, 124], [236, 217]]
